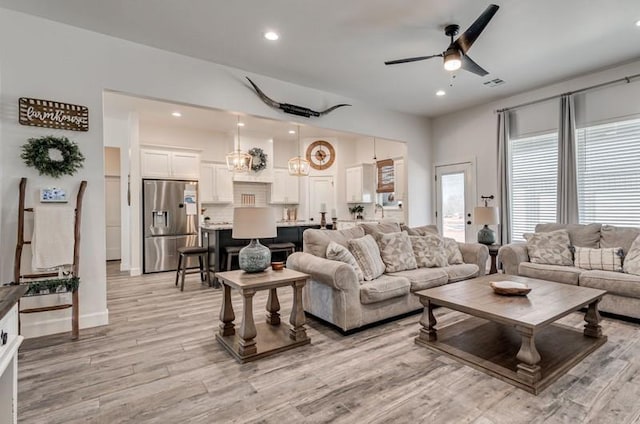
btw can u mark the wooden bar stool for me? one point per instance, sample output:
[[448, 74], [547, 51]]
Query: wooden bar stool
[[287, 248], [203, 258], [229, 253]]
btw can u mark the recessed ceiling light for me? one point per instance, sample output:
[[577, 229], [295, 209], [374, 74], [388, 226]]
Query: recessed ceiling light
[[176, 114], [440, 93], [638, 23], [271, 36], [241, 124], [292, 131]]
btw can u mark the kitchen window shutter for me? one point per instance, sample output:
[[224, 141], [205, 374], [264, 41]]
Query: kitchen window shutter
[[386, 178]]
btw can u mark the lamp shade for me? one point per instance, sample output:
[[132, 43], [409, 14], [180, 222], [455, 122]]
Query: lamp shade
[[486, 215], [254, 223]]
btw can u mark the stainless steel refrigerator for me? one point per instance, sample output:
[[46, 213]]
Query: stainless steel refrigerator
[[170, 221]]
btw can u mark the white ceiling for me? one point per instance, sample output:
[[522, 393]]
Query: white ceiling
[[339, 46]]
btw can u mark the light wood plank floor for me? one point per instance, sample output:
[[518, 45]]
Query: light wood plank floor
[[158, 362]]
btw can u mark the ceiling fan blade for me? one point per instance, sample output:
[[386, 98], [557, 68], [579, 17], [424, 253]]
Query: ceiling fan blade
[[466, 40], [471, 66], [411, 59]]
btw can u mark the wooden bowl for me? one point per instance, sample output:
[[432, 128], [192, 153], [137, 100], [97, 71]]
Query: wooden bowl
[[510, 288], [277, 266]]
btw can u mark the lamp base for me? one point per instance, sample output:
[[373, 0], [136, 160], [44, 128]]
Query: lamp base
[[486, 236], [254, 257]]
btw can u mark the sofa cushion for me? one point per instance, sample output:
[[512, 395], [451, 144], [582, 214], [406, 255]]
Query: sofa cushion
[[552, 248], [454, 255], [383, 288], [316, 241], [582, 235], [632, 260], [420, 231], [337, 252], [428, 251], [609, 259], [461, 272], [619, 237], [381, 227], [613, 282], [424, 278], [557, 273], [367, 254], [396, 251]]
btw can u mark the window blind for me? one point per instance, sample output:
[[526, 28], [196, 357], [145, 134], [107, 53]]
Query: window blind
[[608, 158], [534, 176]]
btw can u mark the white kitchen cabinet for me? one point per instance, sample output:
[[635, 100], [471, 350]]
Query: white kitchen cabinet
[[399, 179], [285, 188], [215, 183], [155, 163], [360, 183]]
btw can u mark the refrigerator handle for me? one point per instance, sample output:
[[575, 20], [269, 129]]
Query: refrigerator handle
[[160, 218]]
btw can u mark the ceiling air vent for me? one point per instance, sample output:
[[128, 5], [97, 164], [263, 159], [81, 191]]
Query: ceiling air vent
[[494, 82]]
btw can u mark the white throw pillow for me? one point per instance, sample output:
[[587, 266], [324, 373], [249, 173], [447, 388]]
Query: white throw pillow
[[429, 251], [454, 255], [552, 248], [632, 260], [396, 251], [367, 254], [609, 259], [337, 252]]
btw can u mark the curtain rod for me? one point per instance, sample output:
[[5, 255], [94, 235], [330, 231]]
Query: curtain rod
[[582, 90]]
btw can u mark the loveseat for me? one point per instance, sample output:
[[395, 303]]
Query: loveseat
[[335, 293], [623, 288]]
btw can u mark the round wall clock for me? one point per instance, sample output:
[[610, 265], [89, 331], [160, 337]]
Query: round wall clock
[[321, 154]]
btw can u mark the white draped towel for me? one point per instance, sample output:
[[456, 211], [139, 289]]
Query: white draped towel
[[53, 236]]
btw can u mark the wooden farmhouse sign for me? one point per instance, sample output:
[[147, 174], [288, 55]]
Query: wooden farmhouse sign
[[50, 114]]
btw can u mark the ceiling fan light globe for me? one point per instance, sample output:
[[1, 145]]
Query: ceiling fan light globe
[[452, 60]]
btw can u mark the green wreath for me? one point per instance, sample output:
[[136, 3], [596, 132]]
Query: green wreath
[[35, 153], [259, 161]]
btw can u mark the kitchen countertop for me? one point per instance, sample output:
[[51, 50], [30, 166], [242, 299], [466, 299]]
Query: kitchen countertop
[[9, 296], [229, 226]]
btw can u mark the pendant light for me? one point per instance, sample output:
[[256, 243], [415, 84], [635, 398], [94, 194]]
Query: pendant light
[[298, 165], [239, 161], [375, 157]]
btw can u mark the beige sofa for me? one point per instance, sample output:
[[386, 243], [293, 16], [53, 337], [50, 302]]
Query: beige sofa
[[623, 290], [334, 293]]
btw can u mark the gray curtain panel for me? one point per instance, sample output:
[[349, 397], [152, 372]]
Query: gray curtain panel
[[504, 177], [567, 212]]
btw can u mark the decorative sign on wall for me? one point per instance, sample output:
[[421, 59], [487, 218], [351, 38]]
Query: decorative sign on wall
[[50, 114]]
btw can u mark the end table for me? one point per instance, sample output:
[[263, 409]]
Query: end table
[[493, 252]]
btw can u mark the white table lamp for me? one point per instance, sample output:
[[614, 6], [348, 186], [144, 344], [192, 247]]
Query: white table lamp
[[486, 215], [254, 223]]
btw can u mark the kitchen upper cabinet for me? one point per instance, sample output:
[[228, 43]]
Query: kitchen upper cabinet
[[285, 188], [169, 164], [216, 183], [399, 179], [360, 183]]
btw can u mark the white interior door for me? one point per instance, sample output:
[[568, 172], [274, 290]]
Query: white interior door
[[455, 200], [112, 212], [321, 190]]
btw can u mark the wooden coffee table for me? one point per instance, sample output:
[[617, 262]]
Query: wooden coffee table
[[257, 341], [513, 338]]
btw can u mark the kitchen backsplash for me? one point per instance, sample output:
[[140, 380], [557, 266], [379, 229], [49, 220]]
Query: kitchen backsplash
[[255, 191]]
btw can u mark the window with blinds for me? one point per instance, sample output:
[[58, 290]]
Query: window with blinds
[[386, 177], [608, 162], [534, 175]]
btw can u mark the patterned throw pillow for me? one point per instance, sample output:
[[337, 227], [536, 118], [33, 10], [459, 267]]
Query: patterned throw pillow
[[632, 260], [552, 248], [396, 251], [454, 255], [337, 252], [429, 251], [609, 259], [367, 254]]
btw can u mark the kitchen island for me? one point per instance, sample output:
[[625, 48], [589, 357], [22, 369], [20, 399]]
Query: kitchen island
[[218, 236]]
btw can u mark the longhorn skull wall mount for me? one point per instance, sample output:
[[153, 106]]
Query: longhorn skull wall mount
[[292, 109]]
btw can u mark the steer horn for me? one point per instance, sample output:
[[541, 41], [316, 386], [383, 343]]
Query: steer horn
[[292, 109]]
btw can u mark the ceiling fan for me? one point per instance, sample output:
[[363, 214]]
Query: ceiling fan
[[455, 57]]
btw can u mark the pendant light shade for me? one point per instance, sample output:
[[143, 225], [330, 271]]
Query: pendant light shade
[[298, 165], [239, 161]]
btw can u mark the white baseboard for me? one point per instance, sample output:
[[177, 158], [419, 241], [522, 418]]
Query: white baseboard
[[62, 325], [134, 272]]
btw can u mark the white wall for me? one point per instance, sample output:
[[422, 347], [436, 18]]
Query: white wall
[[472, 133], [48, 60], [213, 145]]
